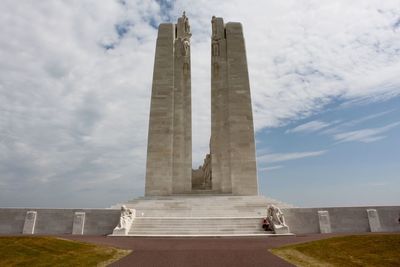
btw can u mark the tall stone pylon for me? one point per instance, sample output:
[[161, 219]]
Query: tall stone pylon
[[232, 148], [169, 150]]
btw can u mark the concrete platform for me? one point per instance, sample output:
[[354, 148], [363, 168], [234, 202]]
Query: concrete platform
[[200, 215]]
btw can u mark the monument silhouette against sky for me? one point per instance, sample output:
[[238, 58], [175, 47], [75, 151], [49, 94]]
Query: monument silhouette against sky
[[230, 168]]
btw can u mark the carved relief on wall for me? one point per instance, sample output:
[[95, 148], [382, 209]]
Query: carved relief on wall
[[215, 48], [185, 47], [186, 24], [186, 68], [214, 27], [216, 69], [215, 43]]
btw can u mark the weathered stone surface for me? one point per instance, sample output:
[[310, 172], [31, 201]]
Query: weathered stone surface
[[201, 177], [103, 221], [169, 150], [232, 130], [220, 137], [373, 219], [324, 222], [59, 221], [30, 222], [161, 123], [78, 225], [232, 146], [182, 131]]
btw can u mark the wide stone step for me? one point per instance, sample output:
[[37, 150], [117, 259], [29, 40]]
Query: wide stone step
[[200, 222], [202, 226], [197, 226], [168, 230], [195, 233], [197, 229]]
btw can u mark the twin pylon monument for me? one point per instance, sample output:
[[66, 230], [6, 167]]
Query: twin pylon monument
[[221, 197], [230, 167]]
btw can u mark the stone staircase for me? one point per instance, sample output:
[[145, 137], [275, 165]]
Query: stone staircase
[[201, 226], [200, 215]]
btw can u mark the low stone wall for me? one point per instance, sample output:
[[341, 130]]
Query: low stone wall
[[59, 221], [299, 220], [342, 219]]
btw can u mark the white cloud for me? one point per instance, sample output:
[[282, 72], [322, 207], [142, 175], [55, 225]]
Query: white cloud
[[74, 115], [270, 168], [365, 135], [343, 127], [309, 127], [279, 157], [366, 118]]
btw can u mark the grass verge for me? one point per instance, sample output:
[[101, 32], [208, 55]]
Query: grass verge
[[354, 250], [51, 251]]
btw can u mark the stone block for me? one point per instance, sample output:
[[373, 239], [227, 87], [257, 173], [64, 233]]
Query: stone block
[[373, 218], [30, 223], [79, 223], [281, 229], [324, 222]]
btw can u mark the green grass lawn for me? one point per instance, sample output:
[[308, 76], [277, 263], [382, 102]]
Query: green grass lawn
[[355, 250], [51, 251]]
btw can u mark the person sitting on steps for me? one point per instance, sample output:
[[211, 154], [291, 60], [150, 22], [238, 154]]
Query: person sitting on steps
[[266, 225]]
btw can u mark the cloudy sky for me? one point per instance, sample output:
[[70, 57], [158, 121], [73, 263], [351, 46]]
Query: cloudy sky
[[75, 80]]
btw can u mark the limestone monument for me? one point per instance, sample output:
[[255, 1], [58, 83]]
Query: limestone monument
[[220, 197], [230, 168], [169, 150]]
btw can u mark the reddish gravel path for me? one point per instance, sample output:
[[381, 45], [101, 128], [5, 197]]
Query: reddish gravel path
[[227, 251]]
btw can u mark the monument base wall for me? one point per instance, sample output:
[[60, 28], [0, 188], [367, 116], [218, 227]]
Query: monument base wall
[[186, 209], [59, 221], [342, 219]]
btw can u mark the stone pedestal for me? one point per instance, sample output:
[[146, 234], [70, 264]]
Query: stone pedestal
[[373, 218], [79, 223], [324, 222], [281, 229], [30, 222]]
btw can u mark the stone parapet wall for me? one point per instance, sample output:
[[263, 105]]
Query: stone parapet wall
[[341, 219], [59, 221], [299, 220]]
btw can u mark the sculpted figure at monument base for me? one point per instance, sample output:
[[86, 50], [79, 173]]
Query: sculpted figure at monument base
[[125, 221], [276, 220]]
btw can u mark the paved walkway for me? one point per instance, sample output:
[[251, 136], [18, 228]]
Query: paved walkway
[[227, 251]]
